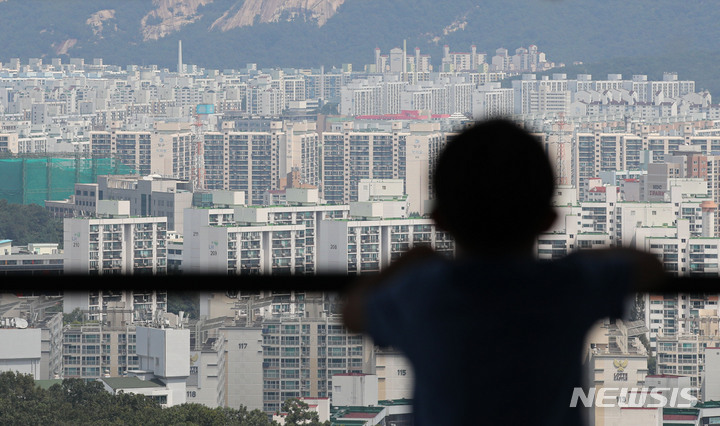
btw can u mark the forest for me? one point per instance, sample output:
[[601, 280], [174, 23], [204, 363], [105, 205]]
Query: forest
[[29, 223]]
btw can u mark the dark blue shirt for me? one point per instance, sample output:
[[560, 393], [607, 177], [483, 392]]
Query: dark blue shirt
[[496, 340]]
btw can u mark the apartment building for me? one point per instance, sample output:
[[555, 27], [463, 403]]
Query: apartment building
[[118, 245], [350, 155], [544, 95], [491, 100], [132, 149], [291, 357], [9, 142], [258, 240], [394, 373], [168, 150], [95, 351], [254, 162], [362, 245], [684, 355], [679, 232], [207, 381], [149, 196], [583, 96]]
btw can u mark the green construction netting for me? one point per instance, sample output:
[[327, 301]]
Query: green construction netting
[[34, 180]]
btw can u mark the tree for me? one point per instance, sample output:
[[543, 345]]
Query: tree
[[29, 224], [254, 417], [73, 401], [186, 301], [652, 365], [330, 108], [74, 317], [638, 308], [298, 413]]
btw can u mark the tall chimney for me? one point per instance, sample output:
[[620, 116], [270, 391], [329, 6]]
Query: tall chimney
[[180, 62], [404, 60]]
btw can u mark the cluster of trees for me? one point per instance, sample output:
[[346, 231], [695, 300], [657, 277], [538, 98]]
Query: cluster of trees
[[186, 301], [75, 402], [29, 223]]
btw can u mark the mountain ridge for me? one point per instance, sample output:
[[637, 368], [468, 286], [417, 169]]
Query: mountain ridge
[[310, 33]]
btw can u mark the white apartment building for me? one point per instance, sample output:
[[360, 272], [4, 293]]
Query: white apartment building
[[9, 142], [462, 61], [678, 232], [361, 246], [394, 373], [491, 100], [257, 240], [350, 155], [540, 96], [254, 162], [638, 97], [361, 98], [167, 151], [684, 355], [92, 351], [291, 357], [264, 96], [120, 245], [207, 382], [165, 354], [164, 359]]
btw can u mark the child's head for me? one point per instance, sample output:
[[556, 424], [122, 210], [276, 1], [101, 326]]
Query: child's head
[[493, 188]]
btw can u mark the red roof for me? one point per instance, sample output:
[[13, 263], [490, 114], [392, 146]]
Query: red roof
[[359, 415], [679, 417]]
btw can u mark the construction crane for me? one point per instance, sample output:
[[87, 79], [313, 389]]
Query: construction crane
[[198, 174], [561, 178]]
